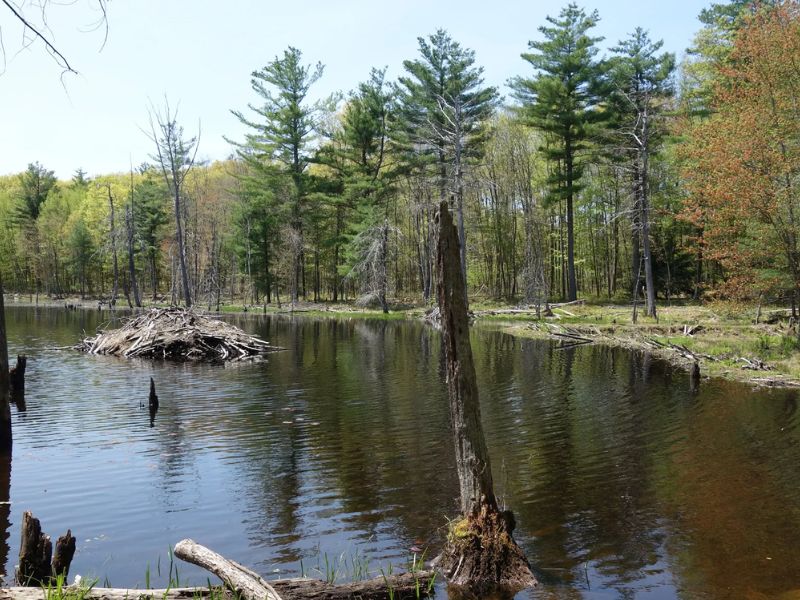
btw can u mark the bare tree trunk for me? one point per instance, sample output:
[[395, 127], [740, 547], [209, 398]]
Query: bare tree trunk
[[650, 307], [113, 233], [572, 282], [187, 295], [5, 384], [131, 264], [480, 552], [383, 278]]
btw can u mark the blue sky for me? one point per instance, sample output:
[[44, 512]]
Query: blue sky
[[201, 53]]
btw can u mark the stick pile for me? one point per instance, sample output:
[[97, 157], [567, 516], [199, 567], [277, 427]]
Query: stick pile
[[176, 334]]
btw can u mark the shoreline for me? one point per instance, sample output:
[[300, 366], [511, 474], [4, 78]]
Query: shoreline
[[723, 339]]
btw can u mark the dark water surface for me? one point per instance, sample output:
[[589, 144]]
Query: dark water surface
[[625, 485]]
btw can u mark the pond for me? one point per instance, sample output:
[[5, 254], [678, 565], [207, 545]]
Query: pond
[[624, 483]]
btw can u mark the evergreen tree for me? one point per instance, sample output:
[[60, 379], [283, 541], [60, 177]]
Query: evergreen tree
[[278, 146], [642, 81], [150, 218], [35, 183], [562, 101], [359, 155], [445, 106]]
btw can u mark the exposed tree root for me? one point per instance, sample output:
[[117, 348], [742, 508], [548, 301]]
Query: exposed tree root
[[482, 556]]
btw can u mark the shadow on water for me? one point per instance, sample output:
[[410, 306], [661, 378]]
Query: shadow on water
[[626, 481]]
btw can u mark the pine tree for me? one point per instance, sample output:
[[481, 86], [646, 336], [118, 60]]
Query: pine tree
[[642, 81], [444, 107], [562, 101], [35, 183], [359, 155], [278, 146]]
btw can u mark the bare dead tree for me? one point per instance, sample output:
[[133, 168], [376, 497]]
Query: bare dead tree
[[113, 236], [5, 384], [371, 268], [32, 15], [480, 553], [175, 156]]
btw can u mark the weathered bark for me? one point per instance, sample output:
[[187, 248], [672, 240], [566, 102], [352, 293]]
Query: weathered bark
[[35, 551], [472, 457], [480, 551], [245, 582], [5, 384], [62, 557]]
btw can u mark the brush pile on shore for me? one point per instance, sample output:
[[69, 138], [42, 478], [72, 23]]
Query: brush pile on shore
[[177, 334]]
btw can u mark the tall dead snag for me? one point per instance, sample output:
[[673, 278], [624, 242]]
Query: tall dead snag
[[5, 384], [480, 551]]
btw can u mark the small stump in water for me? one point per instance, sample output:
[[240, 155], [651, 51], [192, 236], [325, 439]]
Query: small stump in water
[[177, 334]]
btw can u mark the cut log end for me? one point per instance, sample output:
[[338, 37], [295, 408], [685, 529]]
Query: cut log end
[[482, 557]]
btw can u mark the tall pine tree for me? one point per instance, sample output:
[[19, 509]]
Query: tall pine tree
[[642, 81], [445, 106], [561, 100], [278, 145]]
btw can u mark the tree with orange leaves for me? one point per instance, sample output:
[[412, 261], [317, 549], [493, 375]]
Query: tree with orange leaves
[[743, 163]]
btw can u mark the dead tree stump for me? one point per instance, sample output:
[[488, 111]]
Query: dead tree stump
[[480, 554], [16, 375], [64, 551], [152, 403], [36, 550]]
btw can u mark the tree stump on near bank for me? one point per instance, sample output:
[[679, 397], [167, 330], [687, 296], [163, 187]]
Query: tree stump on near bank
[[480, 554], [36, 550]]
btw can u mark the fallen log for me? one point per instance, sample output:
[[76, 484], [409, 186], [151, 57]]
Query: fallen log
[[403, 587], [250, 586], [246, 583]]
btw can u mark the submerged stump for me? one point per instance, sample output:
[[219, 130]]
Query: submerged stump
[[16, 375]]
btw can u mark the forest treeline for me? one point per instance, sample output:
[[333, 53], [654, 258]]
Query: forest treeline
[[610, 170]]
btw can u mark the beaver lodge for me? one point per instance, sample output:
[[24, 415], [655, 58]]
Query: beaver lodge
[[177, 334]]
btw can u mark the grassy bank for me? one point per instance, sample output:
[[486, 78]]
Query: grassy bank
[[728, 340], [724, 338]]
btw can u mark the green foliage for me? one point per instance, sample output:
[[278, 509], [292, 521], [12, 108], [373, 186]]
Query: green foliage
[[563, 98], [444, 103], [35, 184]]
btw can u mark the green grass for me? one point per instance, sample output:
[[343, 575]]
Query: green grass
[[729, 333], [58, 589]]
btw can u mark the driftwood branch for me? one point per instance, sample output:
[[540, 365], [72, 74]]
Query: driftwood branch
[[251, 586], [246, 583]]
